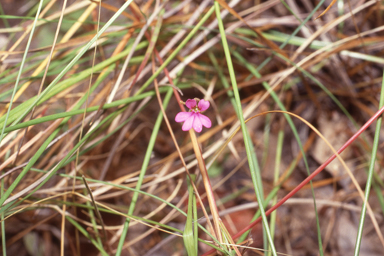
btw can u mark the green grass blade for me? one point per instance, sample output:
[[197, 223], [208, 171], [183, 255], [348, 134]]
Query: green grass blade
[[294, 130], [123, 187], [370, 174], [3, 235], [117, 103], [21, 69], [40, 151], [74, 61], [249, 148], [143, 171], [266, 61], [279, 149], [189, 235], [87, 235], [19, 110], [177, 50]]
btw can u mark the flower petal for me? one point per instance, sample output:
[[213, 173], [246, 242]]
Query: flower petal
[[188, 123], [182, 116], [203, 105], [197, 125], [205, 120], [190, 103]]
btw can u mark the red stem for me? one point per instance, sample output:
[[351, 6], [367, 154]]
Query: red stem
[[310, 177], [304, 182]]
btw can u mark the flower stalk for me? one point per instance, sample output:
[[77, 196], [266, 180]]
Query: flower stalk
[[207, 185], [194, 119]]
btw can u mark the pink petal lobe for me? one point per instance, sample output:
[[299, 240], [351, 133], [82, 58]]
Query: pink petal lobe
[[203, 105], [188, 123], [182, 116], [197, 125], [190, 103], [205, 120]]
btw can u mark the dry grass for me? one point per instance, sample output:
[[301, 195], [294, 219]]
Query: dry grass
[[93, 163]]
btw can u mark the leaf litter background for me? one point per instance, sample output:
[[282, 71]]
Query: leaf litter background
[[352, 73]]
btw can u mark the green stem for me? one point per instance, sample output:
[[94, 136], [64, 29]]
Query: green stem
[[370, 174]]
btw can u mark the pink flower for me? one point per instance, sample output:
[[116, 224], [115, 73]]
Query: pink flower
[[194, 118]]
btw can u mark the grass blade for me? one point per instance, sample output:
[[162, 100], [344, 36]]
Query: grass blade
[[189, 234], [256, 181], [370, 174]]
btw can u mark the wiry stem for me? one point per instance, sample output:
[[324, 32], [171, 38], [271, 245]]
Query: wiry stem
[[207, 185]]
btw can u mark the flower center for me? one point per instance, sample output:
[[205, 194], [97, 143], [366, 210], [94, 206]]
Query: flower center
[[196, 109]]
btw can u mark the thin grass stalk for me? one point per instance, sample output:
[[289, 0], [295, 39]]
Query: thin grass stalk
[[279, 149], [124, 187], [275, 97], [316, 172], [207, 186], [98, 215], [93, 220], [319, 169], [65, 38], [195, 224], [247, 143], [87, 235], [337, 102], [18, 110], [73, 61], [36, 185], [143, 171], [173, 136], [3, 236], [135, 44], [370, 174], [108, 210], [5, 21], [88, 92], [177, 50], [62, 230], [71, 113], [44, 145], [45, 72], [21, 69], [266, 138], [297, 30], [233, 101]]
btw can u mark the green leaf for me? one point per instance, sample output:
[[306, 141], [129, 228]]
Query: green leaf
[[189, 234]]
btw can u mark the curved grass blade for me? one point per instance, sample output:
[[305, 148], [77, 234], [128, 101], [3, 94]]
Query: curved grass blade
[[370, 174], [249, 148], [123, 187], [294, 130]]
